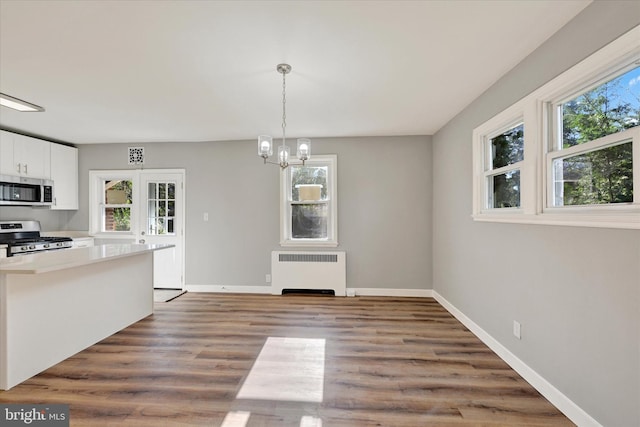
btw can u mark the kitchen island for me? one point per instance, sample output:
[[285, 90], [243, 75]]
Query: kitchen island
[[55, 304]]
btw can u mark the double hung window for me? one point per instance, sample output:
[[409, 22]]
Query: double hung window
[[309, 203], [112, 206], [116, 207], [504, 158], [569, 153], [591, 154]]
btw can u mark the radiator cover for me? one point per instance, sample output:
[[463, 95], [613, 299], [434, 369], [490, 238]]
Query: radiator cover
[[312, 271]]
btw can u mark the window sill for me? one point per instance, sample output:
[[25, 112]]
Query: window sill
[[626, 220], [309, 243]]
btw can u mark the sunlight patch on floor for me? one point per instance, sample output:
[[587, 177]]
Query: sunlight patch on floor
[[287, 369], [236, 419]]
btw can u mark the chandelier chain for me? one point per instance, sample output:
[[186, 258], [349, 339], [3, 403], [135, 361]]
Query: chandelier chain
[[284, 109]]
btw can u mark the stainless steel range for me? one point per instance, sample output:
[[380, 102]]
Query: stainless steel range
[[23, 237]]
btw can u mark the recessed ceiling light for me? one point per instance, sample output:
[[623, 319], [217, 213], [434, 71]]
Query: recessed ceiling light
[[18, 104]]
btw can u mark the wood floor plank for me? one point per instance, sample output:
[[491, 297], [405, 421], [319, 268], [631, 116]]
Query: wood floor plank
[[387, 362]]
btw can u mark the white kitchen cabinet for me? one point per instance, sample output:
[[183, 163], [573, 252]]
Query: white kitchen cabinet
[[64, 173], [6, 153], [24, 156]]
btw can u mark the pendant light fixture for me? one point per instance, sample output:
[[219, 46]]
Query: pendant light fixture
[[265, 142]]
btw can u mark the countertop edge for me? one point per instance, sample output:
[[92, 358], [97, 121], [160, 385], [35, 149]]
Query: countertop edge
[[74, 257]]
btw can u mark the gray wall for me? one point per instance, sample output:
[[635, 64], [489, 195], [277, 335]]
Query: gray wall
[[384, 218], [49, 220], [576, 291]]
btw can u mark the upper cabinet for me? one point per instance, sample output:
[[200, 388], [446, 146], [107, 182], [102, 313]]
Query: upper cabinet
[[6, 152], [24, 156], [35, 158], [64, 173]]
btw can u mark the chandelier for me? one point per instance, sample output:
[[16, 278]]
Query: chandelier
[[265, 142]]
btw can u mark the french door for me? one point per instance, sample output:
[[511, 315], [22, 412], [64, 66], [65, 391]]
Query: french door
[[161, 221]]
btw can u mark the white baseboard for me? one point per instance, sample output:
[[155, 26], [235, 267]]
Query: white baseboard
[[557, 398], [386, 292], [229, 289], [371, 292]]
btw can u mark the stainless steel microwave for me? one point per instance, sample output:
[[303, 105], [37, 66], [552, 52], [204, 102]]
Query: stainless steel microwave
[[23, 191]]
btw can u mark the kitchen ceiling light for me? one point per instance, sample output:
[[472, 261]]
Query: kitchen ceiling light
[[265, 142], [18, 104]]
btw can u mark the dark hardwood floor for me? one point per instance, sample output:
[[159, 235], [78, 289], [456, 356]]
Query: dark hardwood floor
[[388, 362]]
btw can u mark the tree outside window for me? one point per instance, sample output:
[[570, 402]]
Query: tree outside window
[[603, 175], [118, 196]]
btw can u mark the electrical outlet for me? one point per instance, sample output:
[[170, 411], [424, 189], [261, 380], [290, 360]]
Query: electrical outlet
[[267, 278], [205, 216], [516, 329]]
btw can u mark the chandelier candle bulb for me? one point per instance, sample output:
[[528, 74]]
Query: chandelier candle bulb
[[304, 149], [265, 146], [283, 155]]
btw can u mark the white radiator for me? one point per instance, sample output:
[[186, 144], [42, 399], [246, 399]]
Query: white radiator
[[308, 271]]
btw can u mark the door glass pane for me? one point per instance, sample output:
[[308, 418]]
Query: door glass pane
[[161, 202], [309, 221], [152, 208], [596, 177]]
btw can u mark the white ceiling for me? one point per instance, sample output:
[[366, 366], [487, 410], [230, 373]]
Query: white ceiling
[[151, 71]]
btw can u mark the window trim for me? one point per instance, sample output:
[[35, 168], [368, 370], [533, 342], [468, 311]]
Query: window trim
[[96, 178], [489, 172], [285, 205], [536, 177]]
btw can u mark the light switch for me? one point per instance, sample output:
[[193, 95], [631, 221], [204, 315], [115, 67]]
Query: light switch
[[205, 216]]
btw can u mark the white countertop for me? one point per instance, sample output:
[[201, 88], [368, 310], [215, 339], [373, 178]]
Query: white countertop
[[68, 258]]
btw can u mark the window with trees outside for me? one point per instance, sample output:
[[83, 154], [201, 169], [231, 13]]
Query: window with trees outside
[[112, 207], [591, 157], [116, 206], [568, 153], [309, 203], [505, 153]]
